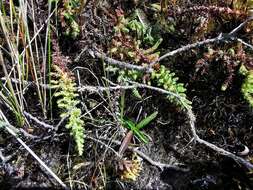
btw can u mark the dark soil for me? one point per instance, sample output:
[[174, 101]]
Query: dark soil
[[224, 118]]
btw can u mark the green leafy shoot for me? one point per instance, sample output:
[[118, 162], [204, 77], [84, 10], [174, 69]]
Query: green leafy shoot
[[247, 86], [146, 120], [137, 127], [140, 135]]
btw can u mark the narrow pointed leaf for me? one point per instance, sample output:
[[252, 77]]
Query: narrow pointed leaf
[[146, 120]]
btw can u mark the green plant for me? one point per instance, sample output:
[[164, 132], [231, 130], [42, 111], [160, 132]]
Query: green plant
[[163, 22], [8, 96], [135, 128], [20, 58], [68, 16], [68, 102], [133, 33], [163, 77], [247, 86], [135, 24]]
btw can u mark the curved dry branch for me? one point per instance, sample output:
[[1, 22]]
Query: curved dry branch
[[189, 113]]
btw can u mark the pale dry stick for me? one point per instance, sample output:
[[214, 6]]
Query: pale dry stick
[[238, 28], [11, 129], [149, 69], [26, 83], [60, 123], [102, 143], [89, 111], [87, 69], [160, 165], [28, 135], [69, 166], [190, 46], [123, 87], [103, 89], [78, 57], [191, 117], [245, 43], [3, 158], [120, 64], [192, 120], [219, 150], [126, 87], [230, 36], [38, 121], [37, 33]]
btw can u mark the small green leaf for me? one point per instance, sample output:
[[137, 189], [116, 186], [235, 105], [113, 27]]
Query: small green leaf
[[136, 93], [140, 135], [130, 124], [146, 120]]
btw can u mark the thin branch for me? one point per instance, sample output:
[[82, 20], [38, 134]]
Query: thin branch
[[38, 121], [103, 89], [192, 120], [212, 146], [26, 83], [120, 64], [126, 87], [234, 31], [28, 135], [191, 46], [3, 158], [162, 166], [245, 43], [230, 36], [10, 128], [148, 69], [102, 143]]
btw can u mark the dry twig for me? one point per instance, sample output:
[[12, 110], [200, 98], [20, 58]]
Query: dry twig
[[38, 121], [117, 63], [12, 130], [227, 37], [190, 114], [148, 69]]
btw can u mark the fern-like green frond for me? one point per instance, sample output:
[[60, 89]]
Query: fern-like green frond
[[67, 102], [247, 88], [166, 79]]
